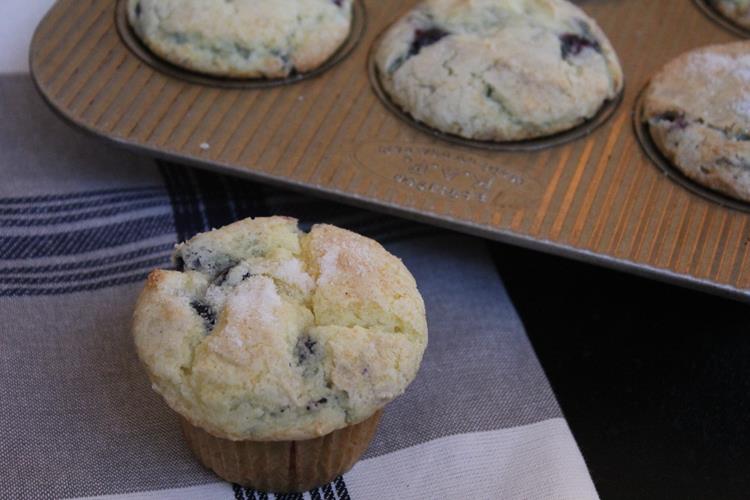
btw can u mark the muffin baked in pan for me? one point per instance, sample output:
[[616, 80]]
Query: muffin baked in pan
[[498, 70], [243, 38], [737, 11], [697, 109]]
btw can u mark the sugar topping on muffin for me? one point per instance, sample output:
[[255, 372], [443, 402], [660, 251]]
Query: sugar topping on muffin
[[268, 333]]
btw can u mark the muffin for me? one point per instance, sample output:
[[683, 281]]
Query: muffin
[[242, 38], [697, 109], [279, 348], [498, 70], [737, 11]]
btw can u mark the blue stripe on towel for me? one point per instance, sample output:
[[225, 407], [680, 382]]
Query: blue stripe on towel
[[85, 240]]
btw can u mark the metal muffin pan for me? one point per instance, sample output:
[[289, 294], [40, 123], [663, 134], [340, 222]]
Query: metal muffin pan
[[596, 198]]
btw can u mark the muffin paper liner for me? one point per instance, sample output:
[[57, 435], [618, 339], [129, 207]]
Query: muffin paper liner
[[282, 466]]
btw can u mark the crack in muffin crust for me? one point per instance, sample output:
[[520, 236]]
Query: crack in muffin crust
[[498, 70], [268, 333]]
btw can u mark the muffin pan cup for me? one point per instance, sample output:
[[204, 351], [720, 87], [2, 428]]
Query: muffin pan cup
[[719, 18], [641, 128], [138, 48], [596, 197], [605, 113]]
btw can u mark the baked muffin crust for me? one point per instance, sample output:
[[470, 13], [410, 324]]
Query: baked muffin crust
[[698, 113], [498, 70], [268, 333], [243, 38], [737, 11]]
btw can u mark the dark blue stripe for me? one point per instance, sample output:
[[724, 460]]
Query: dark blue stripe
[[377, 226], [215, 197], [203, 200], [382, 228], [81, 205], [95, 214], [250, 494], [239, 493], [315, 494], [341, 490], [406, 233], [85, 240], [147, 264], [328, 492], [249, 199], [91, 263], [73, 196], [185, 205], [123, 280]]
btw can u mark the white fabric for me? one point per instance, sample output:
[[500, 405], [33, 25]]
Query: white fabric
[[18, 19], [535, 461], [205, 491]]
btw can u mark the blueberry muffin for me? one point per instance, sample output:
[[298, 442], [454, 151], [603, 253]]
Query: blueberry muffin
[[698, 113], [242, 38], [498, 70], [737, 11], [267, 338]]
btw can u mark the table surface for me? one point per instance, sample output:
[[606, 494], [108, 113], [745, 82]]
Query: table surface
[[653, 379]]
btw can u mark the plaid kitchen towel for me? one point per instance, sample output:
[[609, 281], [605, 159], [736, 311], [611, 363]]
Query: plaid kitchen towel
[[82, 224]]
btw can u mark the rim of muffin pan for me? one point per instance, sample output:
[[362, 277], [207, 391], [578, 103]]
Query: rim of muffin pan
[[707, 7], [668, 168], [140, 50], [606, 111]]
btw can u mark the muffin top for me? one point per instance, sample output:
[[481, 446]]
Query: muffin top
[[498, 69], [736, 10], [243, 38], [698, 112], [268, 333]]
